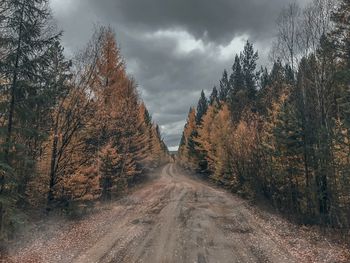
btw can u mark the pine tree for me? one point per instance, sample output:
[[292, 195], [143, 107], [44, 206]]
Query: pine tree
[[225, 87], [202, 108], [277, 83], [238, 97], [264, 78], [268, 176], [290, 157], [236, 77], [56, 74], [248, 61], [289, 74], [214, 98], [27, 48]]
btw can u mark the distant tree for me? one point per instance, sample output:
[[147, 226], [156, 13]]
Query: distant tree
[[205, 146], [264, 78], [236, 78], [202, 108], [249, 59], [225, 86], [187, 150], [237, 82], [214, 97]]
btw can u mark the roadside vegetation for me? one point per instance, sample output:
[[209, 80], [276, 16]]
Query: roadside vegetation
[[283, 132], [72, 132]]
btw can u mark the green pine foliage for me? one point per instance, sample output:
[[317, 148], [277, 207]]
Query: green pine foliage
[[201, 108]]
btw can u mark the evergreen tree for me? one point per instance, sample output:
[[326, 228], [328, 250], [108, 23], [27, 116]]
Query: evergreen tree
[[236, 78], [237, 98], [202, 108], [248, 62], [214, 98], [264, 79], [289, 74], [27, 49], [225, 87], [277, 72]]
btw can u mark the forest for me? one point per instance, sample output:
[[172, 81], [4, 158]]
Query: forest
[[282, 132], [72, 131], [262, 173]]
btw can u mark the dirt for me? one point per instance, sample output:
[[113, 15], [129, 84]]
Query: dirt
[[176, 218]]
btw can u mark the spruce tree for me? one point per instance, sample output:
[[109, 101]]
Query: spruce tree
[[25, 44], [214, 98], [264, 78], [225, 87], [237, 98], [289, 74], [202, 108], [236, 78], [26, 91], [248, 62]]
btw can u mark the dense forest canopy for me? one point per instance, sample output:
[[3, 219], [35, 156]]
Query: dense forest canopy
[[71, 131], [284, 132]]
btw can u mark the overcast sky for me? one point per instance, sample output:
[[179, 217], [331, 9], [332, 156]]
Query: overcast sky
[[173, 48]]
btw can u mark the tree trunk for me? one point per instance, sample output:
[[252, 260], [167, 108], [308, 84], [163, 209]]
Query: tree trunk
[[50, 196]]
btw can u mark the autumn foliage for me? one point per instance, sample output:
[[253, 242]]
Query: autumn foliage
[[72, 132]]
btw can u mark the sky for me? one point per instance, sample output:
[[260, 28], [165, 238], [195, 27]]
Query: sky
[[173, 48]]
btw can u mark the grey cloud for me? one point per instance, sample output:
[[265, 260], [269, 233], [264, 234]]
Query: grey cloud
[[219, 20], [172, 68]]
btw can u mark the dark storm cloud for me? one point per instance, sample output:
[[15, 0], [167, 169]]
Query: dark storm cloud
[[218, 20], [174, 48]]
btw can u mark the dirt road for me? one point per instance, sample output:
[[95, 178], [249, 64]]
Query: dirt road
[[175, 218]]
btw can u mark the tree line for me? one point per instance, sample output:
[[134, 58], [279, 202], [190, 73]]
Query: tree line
[[71, 131], [283, 133]]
